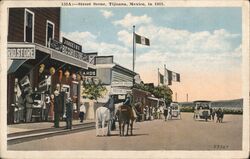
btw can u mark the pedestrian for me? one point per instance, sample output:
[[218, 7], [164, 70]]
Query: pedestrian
[[111, 106], [15, 108], [213, 114], [52, 105], [29, 103], [82, 112], [46, 107], [21, 108], [69, 113], [57, 103]]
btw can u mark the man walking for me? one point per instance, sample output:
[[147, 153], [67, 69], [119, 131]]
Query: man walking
[[69, 113]]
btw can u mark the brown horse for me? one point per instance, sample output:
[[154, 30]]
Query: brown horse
[[125, 117]]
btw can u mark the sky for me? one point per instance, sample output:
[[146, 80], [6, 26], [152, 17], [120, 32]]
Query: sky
[[202, 44]]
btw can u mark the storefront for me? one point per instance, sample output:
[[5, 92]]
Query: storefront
[[44, 70]]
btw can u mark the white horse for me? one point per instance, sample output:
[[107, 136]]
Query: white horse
[[102, 119]]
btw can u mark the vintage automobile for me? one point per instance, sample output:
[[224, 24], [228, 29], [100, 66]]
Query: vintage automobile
[[175, 110], [202, 110]]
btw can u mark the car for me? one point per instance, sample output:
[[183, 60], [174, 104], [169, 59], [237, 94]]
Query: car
[[175, 110], [202, 110]]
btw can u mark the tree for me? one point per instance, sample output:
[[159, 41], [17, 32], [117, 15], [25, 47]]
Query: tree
[[158, 91], [93, 89]]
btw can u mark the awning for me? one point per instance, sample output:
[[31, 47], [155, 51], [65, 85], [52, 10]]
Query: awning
[[15, 65]]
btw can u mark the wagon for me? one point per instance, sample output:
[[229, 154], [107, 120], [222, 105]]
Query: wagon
[[202, 110]]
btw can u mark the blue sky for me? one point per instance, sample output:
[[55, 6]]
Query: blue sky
[[191, 19], [192, 41]]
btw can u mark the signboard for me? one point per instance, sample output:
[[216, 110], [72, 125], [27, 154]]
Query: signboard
[[27, 52], [126, 84], [89, 72], [119, 91], [65, 49], [55, 45], [71, 44], [91, 57]]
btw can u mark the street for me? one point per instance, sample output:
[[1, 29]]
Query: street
[[184, 134]]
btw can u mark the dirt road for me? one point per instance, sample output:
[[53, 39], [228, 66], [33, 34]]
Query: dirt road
[[184, 134]]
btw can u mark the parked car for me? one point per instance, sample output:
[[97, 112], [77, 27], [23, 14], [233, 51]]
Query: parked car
[[202, 110]]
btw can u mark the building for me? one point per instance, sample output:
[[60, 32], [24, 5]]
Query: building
[[37, 59], [117, 79]]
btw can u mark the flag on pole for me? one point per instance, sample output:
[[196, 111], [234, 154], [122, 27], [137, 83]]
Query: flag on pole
[[171, 76], [161, 78], [141, 40]]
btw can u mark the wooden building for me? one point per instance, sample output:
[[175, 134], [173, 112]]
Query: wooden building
[[36, 56]]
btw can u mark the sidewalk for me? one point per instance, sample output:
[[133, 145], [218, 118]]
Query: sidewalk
[[23, 127]]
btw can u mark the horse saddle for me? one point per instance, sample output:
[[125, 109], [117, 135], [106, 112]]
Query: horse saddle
[[124, 108]]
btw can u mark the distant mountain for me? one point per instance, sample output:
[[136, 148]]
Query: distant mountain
[[235, 103]]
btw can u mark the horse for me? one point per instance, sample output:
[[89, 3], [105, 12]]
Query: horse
[[102, 118], [125, 117]]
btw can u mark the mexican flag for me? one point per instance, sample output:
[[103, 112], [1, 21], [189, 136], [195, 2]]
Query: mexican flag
[[171, 76], [141, 40], [161, 78]]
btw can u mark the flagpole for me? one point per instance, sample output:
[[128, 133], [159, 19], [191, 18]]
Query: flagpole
[[133, 48], [165, 75], [158, 77]]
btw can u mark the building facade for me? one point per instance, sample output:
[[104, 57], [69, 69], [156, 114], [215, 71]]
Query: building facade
[[39, 62]]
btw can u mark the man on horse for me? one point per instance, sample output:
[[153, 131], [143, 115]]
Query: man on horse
[[128, 102]]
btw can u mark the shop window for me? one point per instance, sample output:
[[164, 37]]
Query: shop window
[[49, 31], [29, 26]]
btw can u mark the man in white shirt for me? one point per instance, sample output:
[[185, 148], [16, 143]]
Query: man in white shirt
[[82, 112]]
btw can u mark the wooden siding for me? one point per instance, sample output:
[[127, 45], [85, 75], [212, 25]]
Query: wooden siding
[[16, 24]]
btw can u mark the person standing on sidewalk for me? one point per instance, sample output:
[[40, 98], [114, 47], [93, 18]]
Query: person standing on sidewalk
[[52, 105], [82, 112], [69, 113], [29, 103], [57, 104], [47, 107]]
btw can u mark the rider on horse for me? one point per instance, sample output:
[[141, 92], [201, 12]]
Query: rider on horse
[[128, 102]]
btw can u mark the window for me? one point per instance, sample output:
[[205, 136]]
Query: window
[[29, 26], [49, 31]]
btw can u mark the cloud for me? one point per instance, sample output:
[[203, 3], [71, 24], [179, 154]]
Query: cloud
[[107, 14], [129, 20], [178, 41]]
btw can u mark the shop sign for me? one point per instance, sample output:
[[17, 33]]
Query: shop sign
[[126, 84], [55, 45], [21, 52], [91, 57], [89, 73], [118, 91], [65, 49], [71, 44]]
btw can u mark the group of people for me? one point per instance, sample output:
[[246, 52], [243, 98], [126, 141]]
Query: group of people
[[219, 115], [47, 108], [23, 106]]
